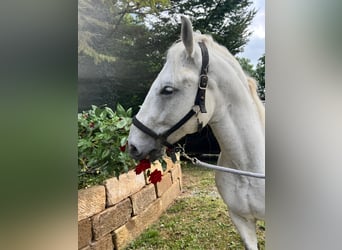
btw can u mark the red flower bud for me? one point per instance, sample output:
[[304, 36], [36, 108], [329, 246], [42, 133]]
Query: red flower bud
[[91, 125], [123, 148], [155, 176], [142, 166]]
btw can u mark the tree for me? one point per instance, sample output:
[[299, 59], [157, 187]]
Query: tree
[[226, 20], [113, 58], [246, 65], [99, 22], [122, 44], [260, 76]]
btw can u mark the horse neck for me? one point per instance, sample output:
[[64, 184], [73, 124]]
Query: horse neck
[[238, 128]]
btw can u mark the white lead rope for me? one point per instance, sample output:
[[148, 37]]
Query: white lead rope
[[197, 162]]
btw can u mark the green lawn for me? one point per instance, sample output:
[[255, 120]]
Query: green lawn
[[198, 219]]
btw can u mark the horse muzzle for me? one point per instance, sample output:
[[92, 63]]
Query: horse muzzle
[[141, 146]]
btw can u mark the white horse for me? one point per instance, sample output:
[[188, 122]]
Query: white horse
[[232, 109]]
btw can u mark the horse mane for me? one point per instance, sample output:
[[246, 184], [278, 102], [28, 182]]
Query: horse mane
[[253, 91]]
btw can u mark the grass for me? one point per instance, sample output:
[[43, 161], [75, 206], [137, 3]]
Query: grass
[[198, 219]]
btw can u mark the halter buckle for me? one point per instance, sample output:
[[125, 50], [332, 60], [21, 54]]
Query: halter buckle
[[203, 82]]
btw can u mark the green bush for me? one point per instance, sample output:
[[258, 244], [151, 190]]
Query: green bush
[[102, 139]]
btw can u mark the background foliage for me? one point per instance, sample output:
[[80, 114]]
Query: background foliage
[[258, 73], [122, 43]]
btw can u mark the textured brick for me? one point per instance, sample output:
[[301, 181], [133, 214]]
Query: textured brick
[[164, 185], [170, 195], [111, 218], [91, 201], [86, 248], [84, 232], [170, 164], [143, 198], [176, 174], [128, 184], [105, 243], [137, 224]]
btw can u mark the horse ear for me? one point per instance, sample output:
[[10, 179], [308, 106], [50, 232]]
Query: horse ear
[[187, 35]]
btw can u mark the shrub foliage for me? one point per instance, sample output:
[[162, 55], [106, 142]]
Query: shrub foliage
[[102, 139]]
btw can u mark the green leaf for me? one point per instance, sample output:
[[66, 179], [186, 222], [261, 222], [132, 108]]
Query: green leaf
[[123, 141], [120, 110], [105, 153], [110, 111], [98, 112], [121, 123], [129, 112]]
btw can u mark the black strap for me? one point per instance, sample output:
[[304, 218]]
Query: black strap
[[143, 128], [163, 136], [203, 82], [179, 124]]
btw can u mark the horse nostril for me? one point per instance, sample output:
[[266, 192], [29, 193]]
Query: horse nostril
[[133, 150]]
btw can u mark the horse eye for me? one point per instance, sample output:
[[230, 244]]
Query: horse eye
[[168, 90]]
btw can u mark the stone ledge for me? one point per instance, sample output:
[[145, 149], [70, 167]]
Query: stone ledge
[[85, 248], [143, 198], [169, 196], [91, 201], [84, 232], [105, 243], [100, 228], [176, 173], [137, 224], [112, 218], [164, 185], [128, 184]]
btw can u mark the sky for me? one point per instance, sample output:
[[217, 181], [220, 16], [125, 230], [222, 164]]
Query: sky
[[255, 48]]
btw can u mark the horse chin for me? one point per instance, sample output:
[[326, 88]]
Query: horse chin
[[155, 154]]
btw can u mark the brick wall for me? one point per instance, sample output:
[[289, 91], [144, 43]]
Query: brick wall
[[112, 215]]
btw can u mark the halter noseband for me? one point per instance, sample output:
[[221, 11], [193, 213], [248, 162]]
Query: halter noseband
[[199, 104]]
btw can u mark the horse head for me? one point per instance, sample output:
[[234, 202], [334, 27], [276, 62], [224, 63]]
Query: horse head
[[169, 111]]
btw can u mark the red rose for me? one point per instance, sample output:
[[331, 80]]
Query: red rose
[[142, 166], [155, 176], [123, 148]]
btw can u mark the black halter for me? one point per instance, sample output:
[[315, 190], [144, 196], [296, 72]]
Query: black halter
[[199, 104]]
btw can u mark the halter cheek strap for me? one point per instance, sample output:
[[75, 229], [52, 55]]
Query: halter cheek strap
[[199, 104], [163, 137], [202, 85]]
